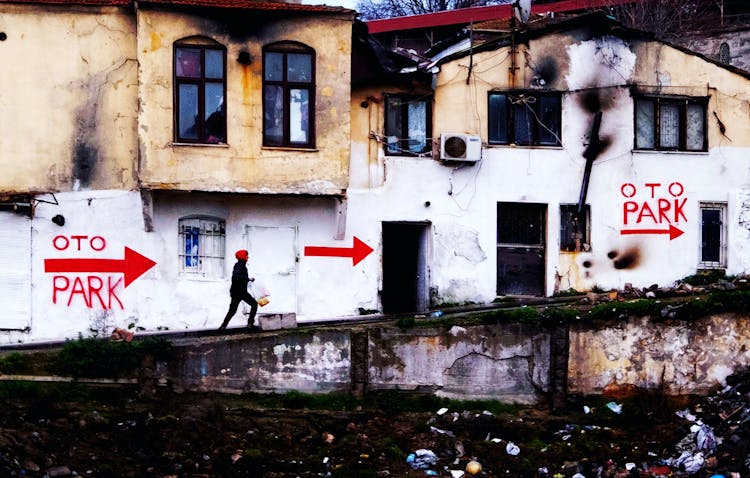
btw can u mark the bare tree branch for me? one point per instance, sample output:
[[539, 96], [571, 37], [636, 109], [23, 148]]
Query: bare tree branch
[[375, 9]]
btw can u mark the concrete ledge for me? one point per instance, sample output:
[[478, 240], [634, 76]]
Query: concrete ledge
[[277, 321]]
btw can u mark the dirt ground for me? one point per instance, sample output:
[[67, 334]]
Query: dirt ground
[[53, 430]]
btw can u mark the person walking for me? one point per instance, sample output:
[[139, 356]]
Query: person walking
[[238, 290]]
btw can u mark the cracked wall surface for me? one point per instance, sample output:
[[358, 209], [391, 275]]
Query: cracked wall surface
[[509, 361], [678, 357]]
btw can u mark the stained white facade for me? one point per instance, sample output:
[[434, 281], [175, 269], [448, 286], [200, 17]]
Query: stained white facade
[[436, 228]]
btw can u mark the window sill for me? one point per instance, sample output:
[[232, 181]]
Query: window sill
[[524, 146], [289, 148], [660, 151], [411, 156], [198, 278], [202, 145]]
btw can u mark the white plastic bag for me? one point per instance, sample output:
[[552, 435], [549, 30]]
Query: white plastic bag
[[259, 292]]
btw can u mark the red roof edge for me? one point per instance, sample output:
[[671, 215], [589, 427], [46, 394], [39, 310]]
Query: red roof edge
[[476, 14]]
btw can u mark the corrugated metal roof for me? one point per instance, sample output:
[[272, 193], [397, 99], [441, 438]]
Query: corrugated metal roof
[[236, 4], [477, 14]]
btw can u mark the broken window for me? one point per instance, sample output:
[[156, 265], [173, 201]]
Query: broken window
[[200, 89], [713, 235], [408, 124], [202, 247], [574, 228], [288, 95], [670, 123], [524, 118]]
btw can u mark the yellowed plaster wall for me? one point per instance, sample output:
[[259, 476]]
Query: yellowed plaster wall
[[659, 69], [671, 71], [68, 99], [244, 164]]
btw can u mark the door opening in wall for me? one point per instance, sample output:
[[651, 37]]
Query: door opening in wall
[[521, 229], [405, 267]]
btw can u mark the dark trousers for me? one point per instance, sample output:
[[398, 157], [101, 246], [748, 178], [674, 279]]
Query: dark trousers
[[236, 299]]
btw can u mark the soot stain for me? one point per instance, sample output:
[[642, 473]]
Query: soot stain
[[628, 259], [595, 100], [547, 69]]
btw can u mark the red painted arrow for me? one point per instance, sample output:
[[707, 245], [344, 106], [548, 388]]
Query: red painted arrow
[[357, 252], [132, 266], [672, 231]]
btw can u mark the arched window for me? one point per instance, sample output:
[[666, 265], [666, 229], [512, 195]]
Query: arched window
[[724, 56], [202, 246], [289, 95], [200, 91]]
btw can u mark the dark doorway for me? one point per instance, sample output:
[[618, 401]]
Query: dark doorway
[[405, 270], [520, 248]]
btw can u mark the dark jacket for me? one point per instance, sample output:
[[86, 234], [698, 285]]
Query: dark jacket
[[240, 278]]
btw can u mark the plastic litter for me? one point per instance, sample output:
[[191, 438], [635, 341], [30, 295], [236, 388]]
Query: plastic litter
[[615, 407], [442, 411], [421, 459], [512, 449], [437, 313]]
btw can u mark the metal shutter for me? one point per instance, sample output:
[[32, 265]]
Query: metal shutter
[[15, 271]]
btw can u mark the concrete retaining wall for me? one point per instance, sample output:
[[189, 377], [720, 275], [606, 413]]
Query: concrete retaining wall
[[509, 362]]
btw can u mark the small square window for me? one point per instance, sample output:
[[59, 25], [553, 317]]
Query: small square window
[[524, 118], [202, 247], [408, 124], [670, 123], [574, 228]]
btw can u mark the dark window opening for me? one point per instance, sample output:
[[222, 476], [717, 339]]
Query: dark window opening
[[671, 124], [200, 89], [574, 228], [408, 124], [288, 95], [713, 233], [524, 118]]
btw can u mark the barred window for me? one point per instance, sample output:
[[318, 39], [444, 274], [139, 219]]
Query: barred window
[[574, 228], [202, 247], [670, 123]]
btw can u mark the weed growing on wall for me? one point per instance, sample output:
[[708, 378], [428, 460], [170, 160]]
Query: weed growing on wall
[[96, 358]]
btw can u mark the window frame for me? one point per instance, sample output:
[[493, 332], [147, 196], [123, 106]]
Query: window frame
[[402, 142], [202, 44], [723, 235], [512, 99], [201, 269], [569, 210], [682, 102], [285, 48]]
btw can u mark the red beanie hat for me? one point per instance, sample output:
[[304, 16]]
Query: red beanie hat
[[241, 254]]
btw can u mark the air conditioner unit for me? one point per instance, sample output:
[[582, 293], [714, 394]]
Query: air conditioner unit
[[460, 147]]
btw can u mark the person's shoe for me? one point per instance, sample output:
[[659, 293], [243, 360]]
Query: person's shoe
[[253, 328]]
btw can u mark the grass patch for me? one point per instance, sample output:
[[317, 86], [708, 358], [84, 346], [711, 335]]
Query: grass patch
[[97, 358], [14, 364], [706, 277]]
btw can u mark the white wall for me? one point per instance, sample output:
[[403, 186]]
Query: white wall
[[99, 225]]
